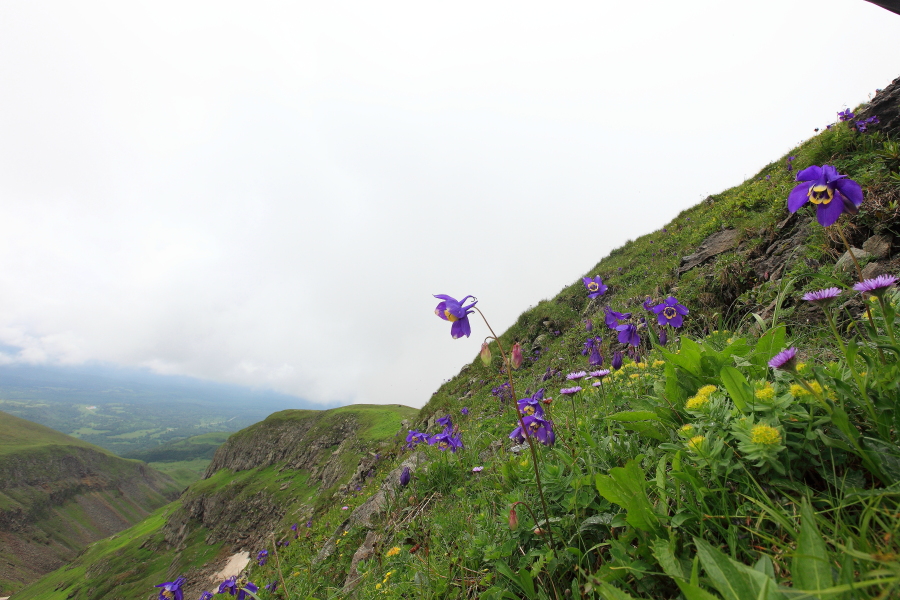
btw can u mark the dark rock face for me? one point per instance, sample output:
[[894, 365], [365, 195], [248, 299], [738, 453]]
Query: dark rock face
[[879, 245], [717, 243], [886, 106]]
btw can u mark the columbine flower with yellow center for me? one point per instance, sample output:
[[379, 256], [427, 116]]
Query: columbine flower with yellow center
[[831, 192], [765, 435], [394, 551], [695, 444], [451, 309], [171, 590]]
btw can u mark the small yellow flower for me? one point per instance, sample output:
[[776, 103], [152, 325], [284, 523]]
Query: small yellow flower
[[798, 391], [695, 443], [642, 365], [635, 375], [394, 551], [697, 402], [801, 367], [524, 463], [377, 586], [706, 390], [658, 363], [765, 435], [686, 429], [766, 393]]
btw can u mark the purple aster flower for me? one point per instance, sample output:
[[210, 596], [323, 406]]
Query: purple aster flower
[[670, 312], [601, 373], [570, 391], [845, 115], [822, 297], [613, 317], [445, 441], [446, 422], [171, 590], [594, 286], [537, 427], [262, 556], [617, 361], [663, 337], [206, 596], [831, 192], [272, 586], [588, 325], [596, 359], [464, 410], [452, 310], [415, 437], [404, 477], [477, 469], [576, 375], [786, 360], [628, 334], [877, 286]]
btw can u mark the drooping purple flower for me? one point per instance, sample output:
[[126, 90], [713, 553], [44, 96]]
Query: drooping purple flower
[[272, 586], [594, 286], [262, 556], [449, 309], [670, 312], [588, 325], [663, 337], [206, 596], [876, 286], [786, 360], [445, 441], [515, 358], [445, 422], [415, 437], [404, 477], [570, 391], [790, 163], [845, 115], [617, 361], [576, 375], [228, 586], [613, 317], [536, 427], [171, 590], [588, 347], [464, 410], [822, 297], [628, 334], [831, 192], [648, 304], [596, 359], [862, 126], [294, 527]]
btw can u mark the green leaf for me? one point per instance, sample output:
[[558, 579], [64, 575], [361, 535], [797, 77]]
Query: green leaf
[[664, 552], [626, 486], [770, 344], [726, 577], [611, 592], [675, 392], [740, 391], [645, 428], [634, 415], [694, 592], [811, 569], [526, 582]]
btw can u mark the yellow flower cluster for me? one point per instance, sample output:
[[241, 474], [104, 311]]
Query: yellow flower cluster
[[765, 393], [686, 429], [394, 551], [695, 443], [798, 391], [635, 375], [765, 435], [658, 363], [701, 399]]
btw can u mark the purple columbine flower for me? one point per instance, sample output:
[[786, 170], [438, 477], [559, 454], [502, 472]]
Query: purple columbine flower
[[831, 192], [588, 347], [576, 375], [570, 391], [452, 310], [786, 360], [670, 312], [464, 410], [617, 361], [531, 405], [206, 596], [876, 286], [537, 427], [294, 527], [862, 126], [404, 477], [272, 586], [648, 304], [446, 422], [588, 325], [171, 590], [822, 297], [445, 441], [594, 286], [790, 163], [613, 317], [596, 359], [845, 115], [262, 556], [415, 437], [309, 523], [628, 334]]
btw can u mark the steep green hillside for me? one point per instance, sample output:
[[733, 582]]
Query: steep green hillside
[[186, 460], [58, 494], [279, 471]]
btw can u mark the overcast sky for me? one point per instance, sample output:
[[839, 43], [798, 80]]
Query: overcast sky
[[268, 194]]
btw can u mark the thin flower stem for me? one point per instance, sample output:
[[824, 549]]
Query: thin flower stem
[[860, 384], [887, 322], [859, 273], [278, 560], [819, 397], [528, 437]]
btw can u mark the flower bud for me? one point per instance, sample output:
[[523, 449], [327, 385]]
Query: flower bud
[[404, 477], [588, 325], [513, 518], [617, 361], [516, 358], [663, 337], [485, 354]]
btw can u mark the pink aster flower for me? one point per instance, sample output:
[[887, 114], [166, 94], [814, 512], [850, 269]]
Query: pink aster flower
[[786, 360], [877, 286], [822, 297]]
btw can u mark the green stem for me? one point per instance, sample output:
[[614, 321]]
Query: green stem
[[860, 384], [888, 322], [528, 437], [859, 273]]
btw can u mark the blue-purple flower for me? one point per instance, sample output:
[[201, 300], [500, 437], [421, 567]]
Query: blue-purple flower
[[532, 405], [445, 441], [445, 422], [171, 590], [206, 596], [613, 317], [450, 309], [845, 115], [628, 334], [876, 286], [576, 375], [537, 427], [262, 556], [648, 304], [831, 192], [594, 286], [596, 359], [663, 337], [670, 312], [822, 297], [570, 391], [786, 360], [239, 587], [588, 325], [790, 163], [617, 361], [415, 437], [404, 477], [272, 585], [464, 410]]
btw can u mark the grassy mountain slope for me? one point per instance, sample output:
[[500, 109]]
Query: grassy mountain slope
[[59, 493], [276, 472], [186, 460]]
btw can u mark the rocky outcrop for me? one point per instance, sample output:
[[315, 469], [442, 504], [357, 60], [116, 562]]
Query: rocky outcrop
[[886, 106], [717, 243]]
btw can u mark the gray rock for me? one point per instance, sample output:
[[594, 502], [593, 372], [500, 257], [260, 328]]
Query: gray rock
[[873, 269], [879, 245], [364, 552], [845, 262], [717, 243], [539, 341]]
